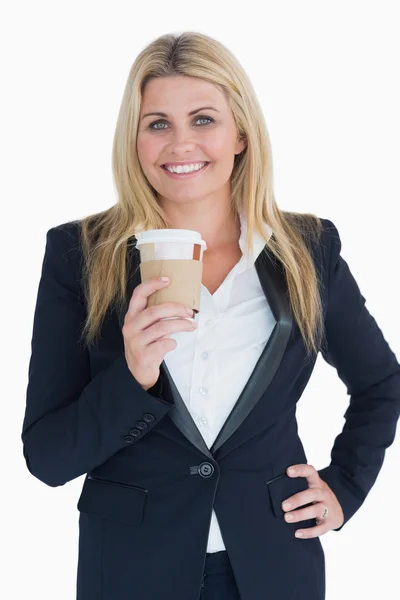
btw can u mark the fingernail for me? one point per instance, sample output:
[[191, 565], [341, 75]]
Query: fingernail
[[291, 471], [286, 506], [299, 534], [190, 311], [164, 279]]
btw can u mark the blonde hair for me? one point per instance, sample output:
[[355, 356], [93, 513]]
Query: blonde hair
[[105, 236]]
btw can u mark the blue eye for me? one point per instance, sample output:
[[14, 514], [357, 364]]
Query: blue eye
[[202, 118]]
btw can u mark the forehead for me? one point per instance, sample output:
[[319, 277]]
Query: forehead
[[175, 91]]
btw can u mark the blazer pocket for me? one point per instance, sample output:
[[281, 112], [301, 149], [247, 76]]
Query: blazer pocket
[[283, 487], [113, 500]]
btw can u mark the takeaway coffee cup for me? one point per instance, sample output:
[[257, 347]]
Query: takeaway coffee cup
[[177, 254]]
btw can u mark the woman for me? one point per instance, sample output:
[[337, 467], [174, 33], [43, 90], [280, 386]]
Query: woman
[[187, 434]]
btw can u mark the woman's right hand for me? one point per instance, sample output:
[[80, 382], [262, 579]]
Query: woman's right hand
[[146, 338]]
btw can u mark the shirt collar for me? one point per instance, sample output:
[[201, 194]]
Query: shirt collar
[[258, 241]]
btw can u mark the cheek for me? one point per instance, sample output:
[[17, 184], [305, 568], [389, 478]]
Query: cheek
[[147, 152], [220, 146]]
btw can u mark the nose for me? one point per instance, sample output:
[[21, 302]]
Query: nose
[[182, 138]]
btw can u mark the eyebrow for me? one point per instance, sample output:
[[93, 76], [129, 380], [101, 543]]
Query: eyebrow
[[192, 112]]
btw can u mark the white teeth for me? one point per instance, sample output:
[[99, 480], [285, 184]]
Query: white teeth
[[185, 168]]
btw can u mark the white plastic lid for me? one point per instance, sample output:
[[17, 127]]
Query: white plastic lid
[[169, 235]]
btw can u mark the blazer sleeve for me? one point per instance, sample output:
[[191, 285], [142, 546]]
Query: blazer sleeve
[[73, 422], [357, 349]]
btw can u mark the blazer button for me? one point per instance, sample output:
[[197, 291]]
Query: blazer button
[[206, 469], [128, 439], [141, 425], [135, 433], [148, 417]]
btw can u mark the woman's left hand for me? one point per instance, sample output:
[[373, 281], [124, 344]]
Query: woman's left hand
[[321, 495]]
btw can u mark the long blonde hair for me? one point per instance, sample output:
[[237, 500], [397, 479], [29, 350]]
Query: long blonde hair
[[105, 236]]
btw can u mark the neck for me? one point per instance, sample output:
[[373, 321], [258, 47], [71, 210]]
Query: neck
[[218, 230]]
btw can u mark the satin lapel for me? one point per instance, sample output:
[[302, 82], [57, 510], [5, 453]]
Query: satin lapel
[[180, 414], [274, 287]]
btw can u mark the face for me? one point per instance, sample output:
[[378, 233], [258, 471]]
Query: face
[[207, 135]]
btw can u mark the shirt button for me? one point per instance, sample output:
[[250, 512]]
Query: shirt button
[[203, 390], [204, 354], [204, 421]]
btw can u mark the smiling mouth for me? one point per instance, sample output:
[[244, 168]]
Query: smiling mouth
[[186, 174], [200, 162]]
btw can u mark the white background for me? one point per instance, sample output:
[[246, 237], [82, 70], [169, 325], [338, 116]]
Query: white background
[[327, 77]]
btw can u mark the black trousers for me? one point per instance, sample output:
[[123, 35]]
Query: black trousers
[[218, 579]]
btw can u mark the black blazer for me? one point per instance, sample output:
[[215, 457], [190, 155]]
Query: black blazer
[[152, 483]]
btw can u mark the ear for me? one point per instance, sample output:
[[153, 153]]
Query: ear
[[241, 145]]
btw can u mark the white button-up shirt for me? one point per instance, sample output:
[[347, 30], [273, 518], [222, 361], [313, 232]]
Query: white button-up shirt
[[211, 365]]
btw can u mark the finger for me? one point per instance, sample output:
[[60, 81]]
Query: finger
[[138, 301], [302, 514], [307, 471], [158, 349], [165, 310], [163, 328], [311, 532], [311, 495], [157, 313]]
